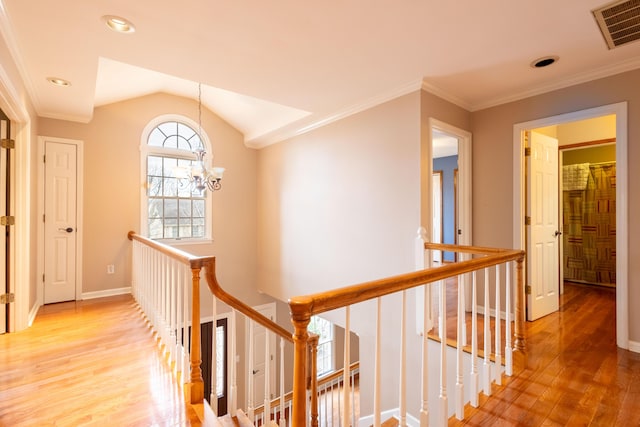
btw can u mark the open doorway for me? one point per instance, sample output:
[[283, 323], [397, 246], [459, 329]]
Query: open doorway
[[520, 197], [445, 192]]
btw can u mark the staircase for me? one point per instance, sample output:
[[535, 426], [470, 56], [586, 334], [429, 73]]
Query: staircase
[[166, 285]]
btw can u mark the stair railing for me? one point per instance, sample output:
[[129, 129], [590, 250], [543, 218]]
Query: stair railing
[[474, 260]]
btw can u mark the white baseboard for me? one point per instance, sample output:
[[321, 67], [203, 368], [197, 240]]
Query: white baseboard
[[33, 313], [634, 346], [492, 312], [368, 420], [106, 293]]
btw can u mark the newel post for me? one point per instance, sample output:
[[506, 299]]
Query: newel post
[[313, 378], [195, 389], [300, 316]]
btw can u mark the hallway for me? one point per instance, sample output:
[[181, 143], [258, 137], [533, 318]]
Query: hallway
[[88, 363], [574, 376]]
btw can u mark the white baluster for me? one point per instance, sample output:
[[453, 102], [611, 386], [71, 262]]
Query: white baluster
[[250, 403], [186, 313], [267, 379], [347, 361], [508, 351], [179, 324], [487, 335], [460, 344], [282, 422], [213, 399], [443, 354], [403, 362], [173, 313], [424, 409], [377, 377], [233, 395], [498, 357], [473, 378]]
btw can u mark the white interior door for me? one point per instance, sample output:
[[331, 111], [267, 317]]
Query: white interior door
[[4, 286], [436, 191], [259, 361], [543, 251], [60, 224]]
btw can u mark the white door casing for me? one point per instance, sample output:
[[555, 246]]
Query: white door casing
[[543, 250], [436, 191], [3, 238], [622, 190], [60, 222]]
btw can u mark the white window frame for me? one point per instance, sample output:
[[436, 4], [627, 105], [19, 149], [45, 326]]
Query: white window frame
[[329, 343], [146, 150]]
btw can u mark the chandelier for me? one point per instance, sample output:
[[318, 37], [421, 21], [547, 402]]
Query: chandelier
[[199, 175]]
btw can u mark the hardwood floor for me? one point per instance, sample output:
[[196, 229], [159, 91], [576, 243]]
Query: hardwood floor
[[574, 375], [88, 363]]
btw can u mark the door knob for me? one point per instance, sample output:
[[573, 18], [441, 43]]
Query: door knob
[[557, 233], [255, 371], [68, 229]]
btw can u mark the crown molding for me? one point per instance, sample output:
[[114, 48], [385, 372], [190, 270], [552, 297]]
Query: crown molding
[[7, 34], [435, 90], [576, 79], [314, 122]]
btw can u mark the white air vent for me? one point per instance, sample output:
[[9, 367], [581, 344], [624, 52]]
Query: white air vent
[[619, 22]]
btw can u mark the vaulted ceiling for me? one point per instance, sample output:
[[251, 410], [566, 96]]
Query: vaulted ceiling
[[273, 69]]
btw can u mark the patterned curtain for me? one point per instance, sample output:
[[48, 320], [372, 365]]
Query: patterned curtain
[[589, 225]]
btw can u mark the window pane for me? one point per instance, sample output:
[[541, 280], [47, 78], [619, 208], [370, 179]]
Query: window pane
[[170, 187], [154, 186], [198, 208], [169, 166], [170, 208], [185, 227], [220, 352], [154, 166], [170, 228], [155, 228], [155, 208], [185, 208], [156, 138]]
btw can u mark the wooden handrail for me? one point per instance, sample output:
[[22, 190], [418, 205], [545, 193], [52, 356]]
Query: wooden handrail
[[209, 265], [309, 305]]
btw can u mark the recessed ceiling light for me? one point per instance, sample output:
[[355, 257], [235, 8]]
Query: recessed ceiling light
[[58, 81], [118, 24], [544, 61]]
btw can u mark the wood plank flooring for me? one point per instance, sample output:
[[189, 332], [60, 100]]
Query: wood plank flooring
[[88, 363], [574, 373]]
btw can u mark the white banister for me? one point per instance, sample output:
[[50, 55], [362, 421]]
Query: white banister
[[487, 335], [267, 379], [377, 377], [347, 361], [498, 351], [424, 409], [473, 377], [233, 394], [403, 361], [460, 343], [282, 421], [508, 355], [213, 398], [443, 354], [250, 402]]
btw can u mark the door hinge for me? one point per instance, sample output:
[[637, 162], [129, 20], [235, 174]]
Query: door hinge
[[44, 159], [43, 278], [527, 151], [527, 289], [9, 144], [7, 298], [7, 220], [527, 220]]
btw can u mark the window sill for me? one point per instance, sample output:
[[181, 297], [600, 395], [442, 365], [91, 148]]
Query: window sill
[[185, 242]]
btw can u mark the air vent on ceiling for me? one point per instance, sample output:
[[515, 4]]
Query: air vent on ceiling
[[619, 22]]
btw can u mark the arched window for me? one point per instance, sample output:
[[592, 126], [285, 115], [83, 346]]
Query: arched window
[[171, 208]]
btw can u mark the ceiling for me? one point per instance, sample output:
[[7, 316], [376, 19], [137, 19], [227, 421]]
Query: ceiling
[[275, 69]]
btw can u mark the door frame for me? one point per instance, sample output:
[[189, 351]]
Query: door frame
[[622, 238], [273, 366], [42, 140]]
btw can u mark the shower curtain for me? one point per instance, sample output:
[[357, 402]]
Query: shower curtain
[[589, 223]]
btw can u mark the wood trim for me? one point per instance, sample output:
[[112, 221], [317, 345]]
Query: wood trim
[[209, 263], [306, 306], [587, 143]]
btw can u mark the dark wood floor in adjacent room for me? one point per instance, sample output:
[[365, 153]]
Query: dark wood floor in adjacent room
[[574, 376]]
